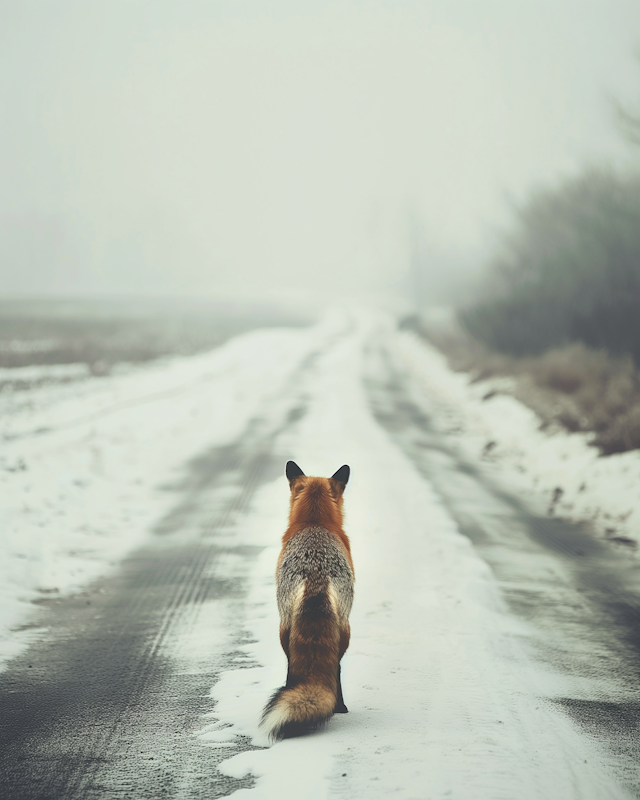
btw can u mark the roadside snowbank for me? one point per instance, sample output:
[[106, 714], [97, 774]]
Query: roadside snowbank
[[558, 472]]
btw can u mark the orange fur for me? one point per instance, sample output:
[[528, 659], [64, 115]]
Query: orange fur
[[316, 501], [314, 596]]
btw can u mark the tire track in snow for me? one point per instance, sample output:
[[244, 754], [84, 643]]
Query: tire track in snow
[[96, 708], [580, 594], [441, 692]]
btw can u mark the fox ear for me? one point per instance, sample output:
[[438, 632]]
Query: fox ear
[[342, 475], [292, 471]]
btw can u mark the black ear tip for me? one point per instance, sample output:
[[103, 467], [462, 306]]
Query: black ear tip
[[342, 474], [292, 470]]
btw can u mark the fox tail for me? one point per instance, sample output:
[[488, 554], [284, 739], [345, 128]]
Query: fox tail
[[308, 699]]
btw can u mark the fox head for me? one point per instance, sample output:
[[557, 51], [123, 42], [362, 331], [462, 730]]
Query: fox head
[[316, 500]]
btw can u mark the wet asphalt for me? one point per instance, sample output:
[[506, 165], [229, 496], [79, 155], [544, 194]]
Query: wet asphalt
[[578, 592], [100, 706]]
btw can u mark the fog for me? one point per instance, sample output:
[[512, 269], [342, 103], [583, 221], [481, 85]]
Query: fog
[[288, 149]]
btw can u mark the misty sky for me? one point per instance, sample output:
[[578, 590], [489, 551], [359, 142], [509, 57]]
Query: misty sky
[[199, 147]]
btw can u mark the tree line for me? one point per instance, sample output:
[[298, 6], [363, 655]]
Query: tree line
[[568, 270]]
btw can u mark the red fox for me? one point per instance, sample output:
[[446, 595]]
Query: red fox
[[314, 578]]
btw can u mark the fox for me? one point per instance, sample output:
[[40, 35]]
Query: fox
[[314, 587]]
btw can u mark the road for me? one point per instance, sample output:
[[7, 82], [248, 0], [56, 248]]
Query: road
[[495, 652]]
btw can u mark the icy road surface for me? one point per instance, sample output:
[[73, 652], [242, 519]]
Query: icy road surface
[[495, 650]]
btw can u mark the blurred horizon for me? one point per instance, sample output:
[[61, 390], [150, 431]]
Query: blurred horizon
[[294, 153]]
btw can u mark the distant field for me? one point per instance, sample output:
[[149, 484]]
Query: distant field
[[103, 333]]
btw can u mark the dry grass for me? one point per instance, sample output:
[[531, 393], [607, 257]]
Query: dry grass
[[572, 386], [103, 333]]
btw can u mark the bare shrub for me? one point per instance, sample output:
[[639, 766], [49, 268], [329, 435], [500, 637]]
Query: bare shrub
[[622, 434], [567, 270], [575, 387]]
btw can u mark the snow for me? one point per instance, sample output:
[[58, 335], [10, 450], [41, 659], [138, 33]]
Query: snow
[[445, 697], [86, 469], [539, 463]]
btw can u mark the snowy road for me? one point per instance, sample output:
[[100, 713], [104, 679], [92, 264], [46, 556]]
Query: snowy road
[[495, 652]]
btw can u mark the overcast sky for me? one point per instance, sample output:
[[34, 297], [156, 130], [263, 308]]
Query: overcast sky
[[201, 147]]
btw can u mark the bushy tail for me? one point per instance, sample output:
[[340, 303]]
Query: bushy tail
[[308, 698]]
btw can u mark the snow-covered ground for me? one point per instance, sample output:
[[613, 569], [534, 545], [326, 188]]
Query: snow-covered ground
[[86, 466], [445, 699], [557, 471], [445, 696]]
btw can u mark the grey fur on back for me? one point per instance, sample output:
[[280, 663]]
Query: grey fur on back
[[314, 556]]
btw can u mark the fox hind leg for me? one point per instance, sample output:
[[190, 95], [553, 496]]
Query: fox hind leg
[[340, 707]]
